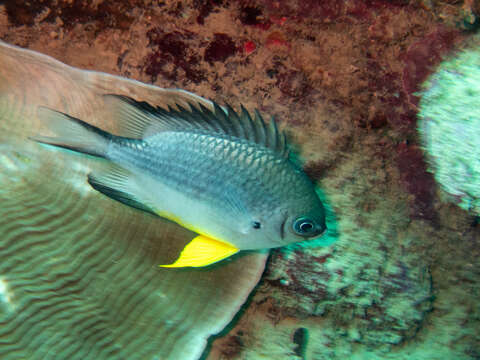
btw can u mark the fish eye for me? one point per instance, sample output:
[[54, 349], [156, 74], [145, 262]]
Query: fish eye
[[256, 225], [304, 227]]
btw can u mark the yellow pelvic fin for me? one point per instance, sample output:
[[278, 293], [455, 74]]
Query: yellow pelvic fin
[[203, 251]]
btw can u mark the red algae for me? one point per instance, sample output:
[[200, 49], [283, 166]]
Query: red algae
[[107, 13], [330, 10], [251, 15], [220, 49], [172, 48], [422, 56], [205, 9], [417, 181], [275, 39], [249, 47]]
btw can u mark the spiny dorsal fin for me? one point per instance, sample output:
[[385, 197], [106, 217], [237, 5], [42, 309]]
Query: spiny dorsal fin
[[139, 120]]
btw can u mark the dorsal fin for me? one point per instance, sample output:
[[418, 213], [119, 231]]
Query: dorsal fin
[[140, 120]]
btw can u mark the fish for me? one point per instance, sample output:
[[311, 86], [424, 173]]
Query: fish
[[225, 175]]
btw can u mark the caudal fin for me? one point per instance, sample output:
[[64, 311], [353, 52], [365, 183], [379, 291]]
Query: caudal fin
[[72, 133]]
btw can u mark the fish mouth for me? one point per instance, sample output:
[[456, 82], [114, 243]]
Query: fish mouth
[[322, 229], [282, 226]]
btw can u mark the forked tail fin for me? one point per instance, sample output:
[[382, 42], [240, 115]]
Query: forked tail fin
[[72, 133]]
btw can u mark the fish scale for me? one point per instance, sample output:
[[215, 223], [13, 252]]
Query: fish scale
[[209, 173]]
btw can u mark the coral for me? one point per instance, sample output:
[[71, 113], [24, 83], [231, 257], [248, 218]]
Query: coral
[[294, 84], [371, 285], [381, 301], [342, 78], [450, 126], [79, 274]]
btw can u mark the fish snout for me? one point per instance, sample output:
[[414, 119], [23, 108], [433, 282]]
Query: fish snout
[[321, 228]]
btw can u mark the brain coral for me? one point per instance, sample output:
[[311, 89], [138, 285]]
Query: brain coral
[[79, 274]]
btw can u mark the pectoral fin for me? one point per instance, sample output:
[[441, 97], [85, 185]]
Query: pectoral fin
[[203, 251], [116, 184]]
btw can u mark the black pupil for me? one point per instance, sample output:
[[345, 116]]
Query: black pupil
[[306, 227], [256, 225]]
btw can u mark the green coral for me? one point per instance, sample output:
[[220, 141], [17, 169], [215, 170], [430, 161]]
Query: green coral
[[372, 287], [450, 127]]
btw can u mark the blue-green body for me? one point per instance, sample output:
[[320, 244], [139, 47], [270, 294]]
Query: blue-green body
[[240, 189]]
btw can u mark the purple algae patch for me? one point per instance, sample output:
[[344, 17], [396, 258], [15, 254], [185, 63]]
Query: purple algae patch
[[220, 48], [172, 56]]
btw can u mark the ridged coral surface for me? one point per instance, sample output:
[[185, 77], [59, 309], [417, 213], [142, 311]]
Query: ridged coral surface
[[79, 274]]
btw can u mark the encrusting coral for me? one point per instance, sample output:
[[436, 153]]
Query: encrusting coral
[[450, 126]]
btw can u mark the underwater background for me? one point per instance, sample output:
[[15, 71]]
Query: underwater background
[[400, 279]]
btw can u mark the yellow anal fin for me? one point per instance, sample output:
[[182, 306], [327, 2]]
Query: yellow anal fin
[[203, 251]]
